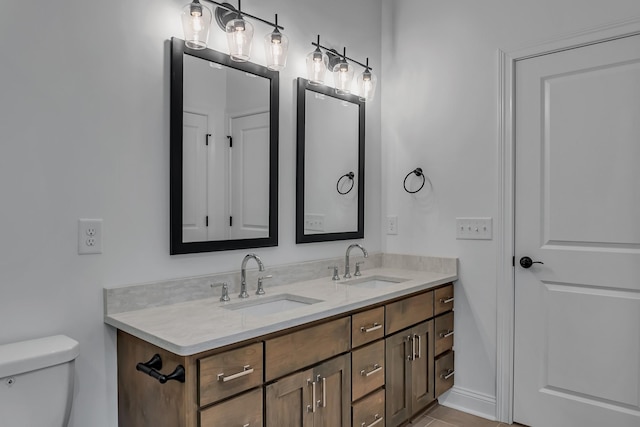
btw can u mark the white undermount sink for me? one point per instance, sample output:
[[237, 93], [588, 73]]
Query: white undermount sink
[[373, 282], [263, 306]]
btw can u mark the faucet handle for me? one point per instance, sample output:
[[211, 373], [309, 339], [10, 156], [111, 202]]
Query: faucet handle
[[357, 273], [225, 291], [260, 290], [336, 275]]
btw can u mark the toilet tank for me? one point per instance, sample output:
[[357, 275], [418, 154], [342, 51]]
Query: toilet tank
[[36, 381]]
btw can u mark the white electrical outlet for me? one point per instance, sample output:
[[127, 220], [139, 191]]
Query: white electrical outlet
[[89, 236], [474, 228], [392, 224]]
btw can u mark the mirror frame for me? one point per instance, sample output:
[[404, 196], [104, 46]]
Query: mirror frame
[[303, 86], [177, 246]]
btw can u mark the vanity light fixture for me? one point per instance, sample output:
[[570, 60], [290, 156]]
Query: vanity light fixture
[[317, 64], [343, 75], [196, 20], [276, 46], [340, 66]]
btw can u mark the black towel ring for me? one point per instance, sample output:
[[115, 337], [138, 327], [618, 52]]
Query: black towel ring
[[417, 172], [349, 175]]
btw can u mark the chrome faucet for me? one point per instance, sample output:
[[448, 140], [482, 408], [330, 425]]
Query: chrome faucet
[[243, 273], [347, 274]]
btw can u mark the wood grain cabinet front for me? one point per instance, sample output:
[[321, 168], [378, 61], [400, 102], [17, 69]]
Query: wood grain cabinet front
[[369, 412], [443, 333], [232, 372], [444, 368], [368, 369], [443, 299], [408, 311], [296, 350], [244, 410], [317, 397], [367, 326]]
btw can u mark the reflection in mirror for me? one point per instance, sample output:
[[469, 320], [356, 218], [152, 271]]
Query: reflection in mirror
[[330, 181], [224, 150]]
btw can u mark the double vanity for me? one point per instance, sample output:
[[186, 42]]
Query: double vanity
[[374, 349]]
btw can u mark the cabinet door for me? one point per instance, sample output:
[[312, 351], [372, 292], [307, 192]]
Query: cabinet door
[[422, 379], [333, 388], [289, 401], [397, 378]]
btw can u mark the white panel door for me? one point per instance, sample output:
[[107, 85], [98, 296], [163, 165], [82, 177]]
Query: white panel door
[[577, 316], [250, 176], [194, 177]]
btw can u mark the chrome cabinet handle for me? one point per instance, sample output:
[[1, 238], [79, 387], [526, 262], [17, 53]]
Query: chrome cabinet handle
[[411, 352], [446, 300], [371, 328], [246, 370], [377, 418], [446, 334], [323, 402], [376, 368], [245, 425], [445, 375], [312, 407], [419, 355]]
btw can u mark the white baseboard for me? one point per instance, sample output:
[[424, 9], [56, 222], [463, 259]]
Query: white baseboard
[[472, 402]]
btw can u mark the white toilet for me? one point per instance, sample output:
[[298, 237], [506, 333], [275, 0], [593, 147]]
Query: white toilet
[[36, 382]]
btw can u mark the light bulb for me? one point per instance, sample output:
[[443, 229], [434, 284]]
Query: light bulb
[[317, 62], [276, 46], [239, 36], [196, 20]]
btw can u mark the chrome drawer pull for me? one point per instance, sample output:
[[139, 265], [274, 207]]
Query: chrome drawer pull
[[419, 355], [312, 407], [246, 370], [245, 425], [323, 403], [376, 368], [446, 300], [445, 375], [371, 328], [412, 349], [377, 418], [446, 334]]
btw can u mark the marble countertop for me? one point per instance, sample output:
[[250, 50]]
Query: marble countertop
[[192, 327]]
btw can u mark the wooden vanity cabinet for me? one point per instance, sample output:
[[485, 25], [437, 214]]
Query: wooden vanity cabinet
[[409, 373], [317, 397], [379, 366]]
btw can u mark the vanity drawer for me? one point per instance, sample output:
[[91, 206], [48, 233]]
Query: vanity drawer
[[225, 374], [367, 369], [443, 333], [305, 347], [244, 410], [444, 373], [367, 326], [443, 300], [369, 411], [409, 311]]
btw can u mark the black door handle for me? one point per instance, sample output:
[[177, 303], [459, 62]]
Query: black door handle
[[526, 262]]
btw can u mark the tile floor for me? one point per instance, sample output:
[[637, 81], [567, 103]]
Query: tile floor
[[441, 416]]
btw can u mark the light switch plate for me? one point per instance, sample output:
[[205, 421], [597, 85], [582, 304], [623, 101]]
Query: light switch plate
[[474, 228], [392, 224]]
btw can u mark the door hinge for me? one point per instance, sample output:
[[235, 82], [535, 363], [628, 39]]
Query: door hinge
[[230, 138], [206, 221], [208, 136], [513, 261], [230, 221]]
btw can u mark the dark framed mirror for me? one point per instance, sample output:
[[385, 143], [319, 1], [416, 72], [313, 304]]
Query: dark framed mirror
[[224, 152], [330, 164]]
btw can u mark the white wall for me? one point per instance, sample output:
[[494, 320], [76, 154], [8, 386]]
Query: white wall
[[439, 112], [84, 133]]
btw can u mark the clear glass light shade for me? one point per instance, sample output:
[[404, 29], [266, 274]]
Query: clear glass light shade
[[196, 22], [239, 37], [367, 86], [276, 46], [317, 62], [343, 78]]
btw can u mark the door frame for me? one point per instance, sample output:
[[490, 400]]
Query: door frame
[[505, 232]]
